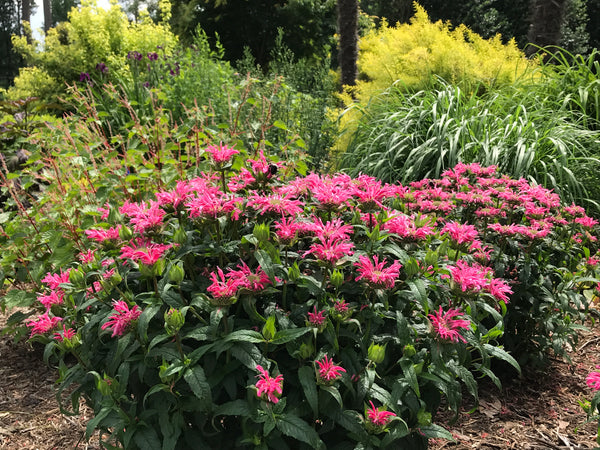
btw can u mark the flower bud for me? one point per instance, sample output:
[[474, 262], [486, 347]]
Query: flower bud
[[337, 278], [174, 320], [409, 351], [261, 232], [176, 274], [269, 329], [125, 233], [376, 353], [76, 276], [294, 273]]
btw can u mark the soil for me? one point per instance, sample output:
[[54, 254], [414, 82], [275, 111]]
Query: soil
[[535, 412]]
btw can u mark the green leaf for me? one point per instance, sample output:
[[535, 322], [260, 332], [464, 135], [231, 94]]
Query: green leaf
[[251, 336], [503, 355], [279, 124], [408, 368], [248, 355], [333, 391], [284, 336], [17, 298], [306, 375], [295, 427], [147, 438], [398, 430], [417, 287], [196, 380], [266, 263], [95, 421], [234, 408], [144, 320], [437, 432]]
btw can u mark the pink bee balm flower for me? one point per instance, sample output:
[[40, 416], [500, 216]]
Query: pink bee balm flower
[[316, 319], [220, 153], [67, 333], [122, 318], [375, 274], [331, 250], [253, 281], [460, 233], [223, 288], [42, 324], [447, 326], [379, 417], [269, 386], [102, 235], [593, 380], [499, 289], [328, 372], [471, 279], [144, 251], [55, 280], [87, 257], [55, 297]]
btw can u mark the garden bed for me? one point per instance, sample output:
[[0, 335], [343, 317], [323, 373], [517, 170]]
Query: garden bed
[[533, 413]]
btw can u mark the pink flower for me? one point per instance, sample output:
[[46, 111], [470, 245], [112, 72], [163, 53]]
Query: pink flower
[[42, 324], [341, 306], [67, 333], [55, 297], [275, 203], [316, 319], [145, 252], [269, 386], [328, 372], [375, 274], [220, 153], [104, 211], [122, 318], [87, 257], [175, 197], [143, 216], [593, 380], [335, 229], [331, 250], [379, 417], [586, 222], [286, 230], [212, 204], [253, 281], [223, 288], [499, 289], [102, 235], [55, 280], [447, 326], [460, 233], [470, 279]]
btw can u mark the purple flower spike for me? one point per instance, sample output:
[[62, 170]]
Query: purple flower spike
[[84, 76]]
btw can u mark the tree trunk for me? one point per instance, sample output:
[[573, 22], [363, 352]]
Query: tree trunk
[[47, 15], [546, 20], [347, 14]]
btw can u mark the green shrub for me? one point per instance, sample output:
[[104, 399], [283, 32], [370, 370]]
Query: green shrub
[[91, 36], [245, 308]]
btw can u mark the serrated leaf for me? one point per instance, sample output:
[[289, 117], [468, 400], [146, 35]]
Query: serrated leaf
[[144, 319], [251, 336], [196, 380], [436, 432], [295, 427], [284, 336], [408, 369]]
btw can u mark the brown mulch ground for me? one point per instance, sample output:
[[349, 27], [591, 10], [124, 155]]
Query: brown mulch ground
[[533, 413]]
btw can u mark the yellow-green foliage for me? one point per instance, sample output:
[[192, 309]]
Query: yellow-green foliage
[[411, 54], [92, 35]]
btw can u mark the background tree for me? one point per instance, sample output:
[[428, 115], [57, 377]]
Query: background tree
[[60, 10], [47, 6], [347, 14], [12, 15]]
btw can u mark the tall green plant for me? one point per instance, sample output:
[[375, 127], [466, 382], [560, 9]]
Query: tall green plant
[[408, 137]]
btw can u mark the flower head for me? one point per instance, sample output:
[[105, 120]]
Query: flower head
[[220, 154], [268, 386], [375, 274], [42, 324], [329, 372], [379, 417], [446, 326], [223, 289], [122, 318], [316, 319], [593, 380]]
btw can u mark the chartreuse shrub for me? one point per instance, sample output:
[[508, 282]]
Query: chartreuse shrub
[[90, 37], [413, 54], [245, 308]]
